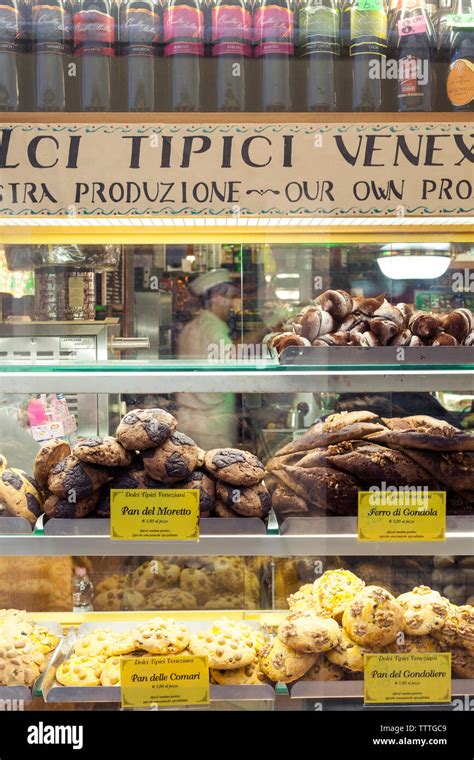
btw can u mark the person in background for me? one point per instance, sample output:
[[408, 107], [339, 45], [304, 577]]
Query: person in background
[[210, 418]]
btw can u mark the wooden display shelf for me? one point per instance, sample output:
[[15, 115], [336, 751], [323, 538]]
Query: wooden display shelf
[[248, 117]]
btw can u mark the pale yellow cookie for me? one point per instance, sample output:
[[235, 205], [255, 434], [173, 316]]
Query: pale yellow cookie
[[80, 671], [121, 643], [347, 654], [110, 675], [43, 639], [95, 643], [306, 631], [424, 611], [250, 674], [246, 632], [159, 636], [282, 663], [373, 618], [303, 599], [20, 663], [225, 650], [335, 589]]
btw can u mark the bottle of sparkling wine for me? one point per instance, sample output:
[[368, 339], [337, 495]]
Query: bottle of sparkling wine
[[94, 45], [319, 46], [460, 79], [183, 36], [273, 34], [139, 40], [49, 37], [366, 35], [415, 54], [231, 47], [9, 50]]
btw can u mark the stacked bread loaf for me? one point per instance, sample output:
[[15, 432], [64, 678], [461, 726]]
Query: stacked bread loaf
[[335, 318], [323, 471], [148, 452]]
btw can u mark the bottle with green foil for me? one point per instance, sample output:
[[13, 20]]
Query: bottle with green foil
[[319, 47], [365, 34]]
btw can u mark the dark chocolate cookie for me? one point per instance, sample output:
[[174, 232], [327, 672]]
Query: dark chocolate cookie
[[54, 506], [207, 491], [73, 480], [234, 466], [254, 501], [106, 451], [145, 429], [175, 460]]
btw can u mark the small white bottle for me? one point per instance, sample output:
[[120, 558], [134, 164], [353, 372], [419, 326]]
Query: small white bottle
[[82, 591]]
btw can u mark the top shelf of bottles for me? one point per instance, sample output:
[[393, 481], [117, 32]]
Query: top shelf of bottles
[[263, 57]]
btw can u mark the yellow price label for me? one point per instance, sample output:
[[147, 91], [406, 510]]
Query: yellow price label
[[154, 515], [171, 681], [407, 678], [402, 515]]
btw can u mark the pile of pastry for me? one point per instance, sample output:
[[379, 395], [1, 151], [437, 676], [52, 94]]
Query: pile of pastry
[[148, 452], [23, 648], [335, 318], [231, 648], [180, 583], [323, 471], [337, 619]]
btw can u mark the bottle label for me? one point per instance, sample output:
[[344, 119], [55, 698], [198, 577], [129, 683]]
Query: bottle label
[[319, 30], [49, 28], [460, 82], [412, 25], [370, 5], [368, 32], [141, 32], [93, 33], [231, 30], [273, 30], [183, 31], [9, 29], [408, 73], [461, 20]]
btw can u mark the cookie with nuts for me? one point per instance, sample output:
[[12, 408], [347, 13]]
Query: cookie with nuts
[[159, 636], [235, 466], [373, 618], [424, 611], [282, 663], [307, 631], [225, 649]]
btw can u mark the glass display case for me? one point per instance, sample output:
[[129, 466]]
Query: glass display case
[[282, 381]]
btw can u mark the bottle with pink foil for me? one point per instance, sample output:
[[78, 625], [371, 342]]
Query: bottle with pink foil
[[183, 37], [273, 32], [231, 47]]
